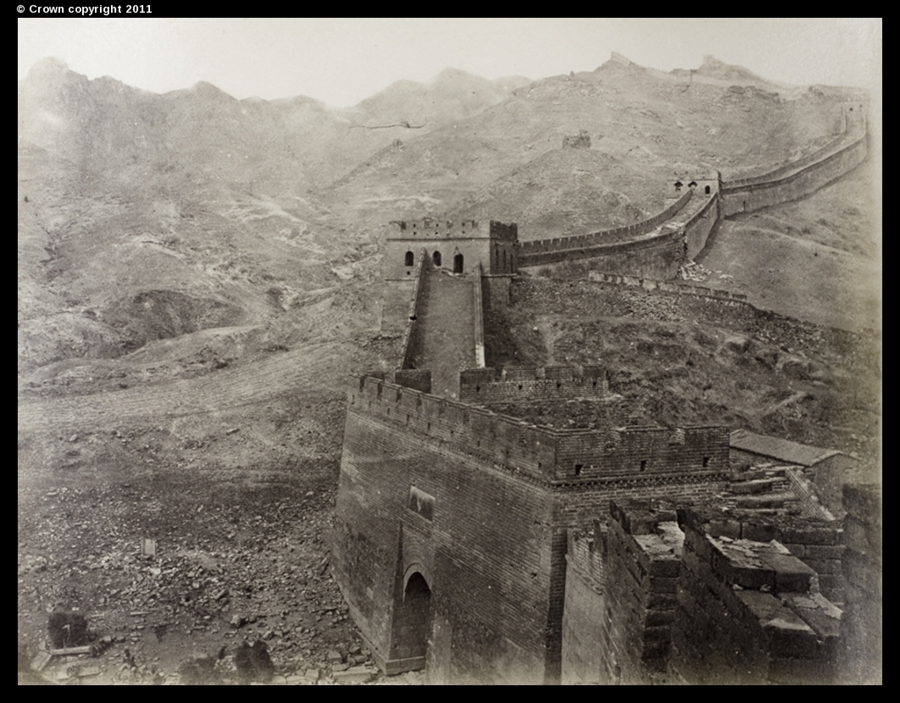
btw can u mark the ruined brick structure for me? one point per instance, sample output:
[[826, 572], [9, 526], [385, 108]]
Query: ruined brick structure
[[475, 507], [862, 564], [582, 140], [475, 545], [694, 594]]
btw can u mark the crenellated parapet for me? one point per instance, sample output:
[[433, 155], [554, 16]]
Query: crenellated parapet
[[516, 384], [644, 453]]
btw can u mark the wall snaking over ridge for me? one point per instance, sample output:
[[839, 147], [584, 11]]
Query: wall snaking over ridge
[[658, 246]]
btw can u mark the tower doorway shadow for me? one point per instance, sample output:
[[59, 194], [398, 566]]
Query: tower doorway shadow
[[412, 625]]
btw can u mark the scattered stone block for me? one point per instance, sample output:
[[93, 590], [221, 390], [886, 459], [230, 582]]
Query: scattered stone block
[[355, 674], [40, 661]]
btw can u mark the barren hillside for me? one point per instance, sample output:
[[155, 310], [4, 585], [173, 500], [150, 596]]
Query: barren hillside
[[198, 274]]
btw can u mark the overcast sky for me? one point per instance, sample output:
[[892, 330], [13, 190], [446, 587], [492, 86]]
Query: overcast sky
[[342, 61]]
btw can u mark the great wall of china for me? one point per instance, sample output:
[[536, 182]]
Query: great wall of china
[[483, 548], [658, 246]]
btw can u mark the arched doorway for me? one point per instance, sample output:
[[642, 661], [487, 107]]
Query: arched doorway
[[458, 263], [707, 190], [412, 620], [436, 258]]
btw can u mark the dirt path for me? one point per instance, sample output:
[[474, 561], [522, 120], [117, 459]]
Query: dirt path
[[289, 373]]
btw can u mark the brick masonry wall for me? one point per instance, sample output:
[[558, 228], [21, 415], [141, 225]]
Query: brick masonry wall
[[478, 316], [616, 235], [492, 244], [485, 553], [758, 195], [532, 385], [817, 543], [495, 550], [699, 226], [583, 611], [577, 506], [561, 456], [627, 249], [409, 331], [417, 379], [851, 123], [862, 631], [495, 291], [679, 288], [643, 563], [747, 609], [657, 256]]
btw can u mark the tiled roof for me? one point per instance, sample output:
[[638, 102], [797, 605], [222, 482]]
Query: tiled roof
[[780, 449]]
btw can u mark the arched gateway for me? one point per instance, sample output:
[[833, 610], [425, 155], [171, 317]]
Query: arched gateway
[[412, 622]]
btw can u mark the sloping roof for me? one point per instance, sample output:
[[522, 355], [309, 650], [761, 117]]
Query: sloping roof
[[779, 449]]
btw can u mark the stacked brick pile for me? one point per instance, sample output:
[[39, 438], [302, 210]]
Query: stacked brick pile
[[778, 503], [817, 543], [861, 630], [644, 545], [747, 609]]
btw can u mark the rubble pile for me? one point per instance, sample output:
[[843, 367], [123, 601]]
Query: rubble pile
[[692, 271], [169, 586]]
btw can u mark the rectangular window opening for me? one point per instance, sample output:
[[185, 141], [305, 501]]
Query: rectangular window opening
[[421, 503], [643, 464]]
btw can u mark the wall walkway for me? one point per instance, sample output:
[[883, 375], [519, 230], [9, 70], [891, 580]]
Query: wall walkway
[[444, 338]]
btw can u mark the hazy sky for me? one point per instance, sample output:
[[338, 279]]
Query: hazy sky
[[342, 61]]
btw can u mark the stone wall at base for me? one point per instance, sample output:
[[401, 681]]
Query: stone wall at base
[[862, 629], [643, 562], [480, 505], [584, 609]]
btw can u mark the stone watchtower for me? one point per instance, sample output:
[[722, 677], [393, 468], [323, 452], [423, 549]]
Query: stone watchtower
[[457, 247]]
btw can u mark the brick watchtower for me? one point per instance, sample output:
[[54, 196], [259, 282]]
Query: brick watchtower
[[456, 246]]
